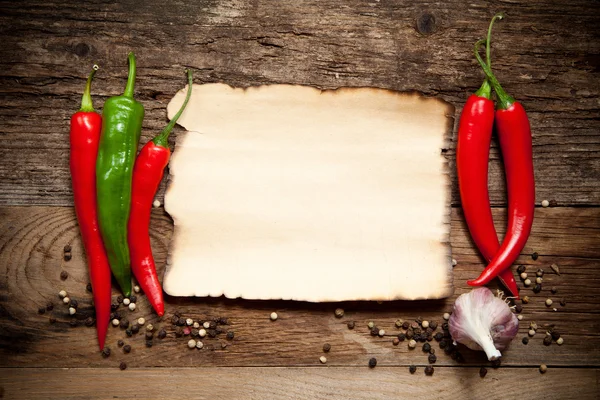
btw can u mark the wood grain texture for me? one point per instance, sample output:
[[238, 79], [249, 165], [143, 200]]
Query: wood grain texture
[[298, 383], [31, 246], [546, 54]]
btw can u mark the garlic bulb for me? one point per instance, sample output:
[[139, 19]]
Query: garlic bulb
[[482, 321]]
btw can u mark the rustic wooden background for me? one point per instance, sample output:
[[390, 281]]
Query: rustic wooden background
[[546, 53]]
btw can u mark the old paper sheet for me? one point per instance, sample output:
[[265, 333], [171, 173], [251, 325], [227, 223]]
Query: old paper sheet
[[289, 192]]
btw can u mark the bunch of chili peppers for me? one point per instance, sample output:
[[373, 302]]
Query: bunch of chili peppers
[[113, 193], [474, 137]]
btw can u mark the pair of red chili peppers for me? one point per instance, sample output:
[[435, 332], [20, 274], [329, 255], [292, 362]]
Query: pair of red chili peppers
[[148, 171], [474, 137]]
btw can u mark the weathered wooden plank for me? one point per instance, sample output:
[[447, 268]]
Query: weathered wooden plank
[[545, 53], [327, 383], [32, 241]]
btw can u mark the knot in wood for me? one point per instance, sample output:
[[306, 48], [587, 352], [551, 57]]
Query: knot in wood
[[426, 23]]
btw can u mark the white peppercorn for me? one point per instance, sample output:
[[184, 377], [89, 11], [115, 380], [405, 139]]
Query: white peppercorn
[[136, 289], [199, 344], [339, 312], [274, 316], [519, 317], [446, 316], [156, 204], [381, 333], [131, 306], [202, 332], [454, 262], [189, 322], [62, 294], [531, 332], [191, 343], [548, 302], [66, 300], [560, 341], [72, 310], [196, 325], [398, 323], [323, 359], [149, 327], [527, 282], [538, 280], [371, 325], [115, 322], [206, 325], [523, 275], [543, 367], [425, 324], [545, 203], [126, 301], [141, 321], [412, 344]]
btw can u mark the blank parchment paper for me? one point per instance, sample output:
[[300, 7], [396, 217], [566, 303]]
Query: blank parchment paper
[[290, 192]]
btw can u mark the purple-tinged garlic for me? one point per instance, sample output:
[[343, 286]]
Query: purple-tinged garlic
[[482, 321]]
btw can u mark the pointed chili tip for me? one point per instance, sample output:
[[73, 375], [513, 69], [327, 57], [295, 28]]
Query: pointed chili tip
[[475, 282]]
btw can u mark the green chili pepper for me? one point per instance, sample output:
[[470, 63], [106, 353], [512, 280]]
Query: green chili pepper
[[121, 126]]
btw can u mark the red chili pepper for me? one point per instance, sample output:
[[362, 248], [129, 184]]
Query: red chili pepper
[[85, 137], [147, 174], [516, 145], [472, 157]]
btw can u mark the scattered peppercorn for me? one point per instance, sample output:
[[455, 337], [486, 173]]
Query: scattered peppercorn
[[553, 290], [446, 316], [433, 325], [212, 333], [523, 275], [563, 302], [114, 305], [496, 363], [525, 300], [178, 332], [149, 343], [72, 310], [483, 372], [371, 325], [106, 352], [432, 358], [412, 369], [555, 335], [66, 300], [199, 344], [119, 299], [64, 275], [351, 324], [426, 347], [547, 340], [409, 334], [326, 347], [67, 256], [162, 333], [445, 326], [412, 344], [273, 316], [122, 366], [339, 312], [438, 336], [89, 321], [525, 340], [136, 289], [539, 280], [534, 255], [396, 341], [381, 332], [129, 332], [519, 317], [401, 337], [518, 308], [548, 302], [88, 287], [124, 324], [149, 335], [135, 328], [41, 310], [126, 349], [560, 341], [429, 370], [537, 288], [520, 269], [372, 362], [543, 368], [527, 282], [398, 323], [555, 268]]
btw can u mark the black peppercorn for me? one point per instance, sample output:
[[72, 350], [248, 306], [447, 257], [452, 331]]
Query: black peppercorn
[[106, 352], [179, 332], [459, 357], [555, 335], [195, 332], [429, 338], [409, 334], [120, 343], [64, 275], [212, 325], [89, 321], [181, 322], [426, 347], [174, 319], [534, 255], [525, 340], [412, 369], [135, 328], [445, 326], [67, 256], [443, 343], [433, 325], [521, 269], [231, 335], [518, 308], [73, 303], [88, 287], [417, 331], [405, 325], [223, 321], [132, 298], [449, 349], [67, 248], [149, 335], [429, 370], [454, 354], [374, 331], [438, 336], [351, 324], [414, 325], [483, 372], [537, 288], [163, 333], [326, 347], [219, 331], [212, 333], [124, 324], [42, 310], [432, 358], [114, 305], [148, 343], [402, 337], [49, 306], [128, 332], [553, 290], [119, 299], [122, 366], [496, 363], [126, 349], [372, 362], [563, 302]]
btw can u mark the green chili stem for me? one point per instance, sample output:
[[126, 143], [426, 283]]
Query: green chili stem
[[504, 100], [486, 90], [162, 139], [131, 77], [86, 99]]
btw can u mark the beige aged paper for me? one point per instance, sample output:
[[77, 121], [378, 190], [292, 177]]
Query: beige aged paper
[[290, 192]]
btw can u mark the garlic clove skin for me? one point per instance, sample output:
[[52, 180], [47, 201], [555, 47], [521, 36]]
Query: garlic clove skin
[[482, 321]]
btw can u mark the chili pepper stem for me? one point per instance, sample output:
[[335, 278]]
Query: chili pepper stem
[[162, 139], [504, 100], [485, 90], [131, 76], [86, 99]]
